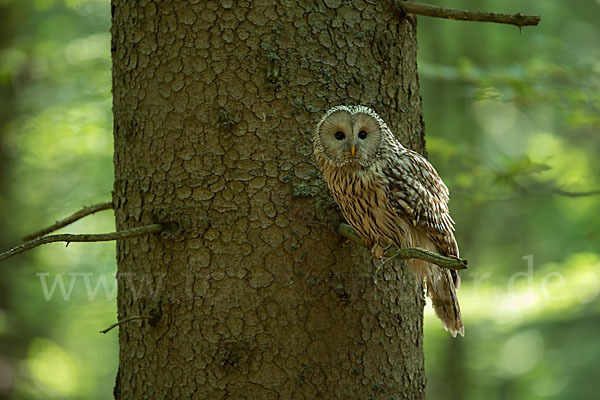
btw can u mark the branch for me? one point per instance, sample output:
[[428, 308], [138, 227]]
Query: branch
[[454, 263], [542, 189], [518, 20], [97, 237], [124, 320], [566, 193], [70, 219]]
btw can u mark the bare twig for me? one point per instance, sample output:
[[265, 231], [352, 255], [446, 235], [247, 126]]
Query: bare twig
[[96, 237], [518, 20], [70, 219], [566, 193], [124, 320], [541, 190], [454, 263]]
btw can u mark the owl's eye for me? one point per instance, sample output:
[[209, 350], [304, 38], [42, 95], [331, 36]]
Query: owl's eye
[[339, 135], [362, 134]]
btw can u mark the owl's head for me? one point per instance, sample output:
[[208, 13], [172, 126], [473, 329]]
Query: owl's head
[[350, 134]]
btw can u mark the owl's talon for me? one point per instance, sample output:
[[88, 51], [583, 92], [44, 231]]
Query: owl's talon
[[377, 251]]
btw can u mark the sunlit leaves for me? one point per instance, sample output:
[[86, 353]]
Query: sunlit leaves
[[56, 65], [53, 369], [512, 127]]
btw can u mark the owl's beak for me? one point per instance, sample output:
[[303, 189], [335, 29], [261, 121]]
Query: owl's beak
[[352, 150]]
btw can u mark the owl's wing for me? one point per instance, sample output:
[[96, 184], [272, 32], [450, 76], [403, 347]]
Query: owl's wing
[[415, 190]]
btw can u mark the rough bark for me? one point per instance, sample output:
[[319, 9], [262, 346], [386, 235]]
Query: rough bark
[[255, 295]]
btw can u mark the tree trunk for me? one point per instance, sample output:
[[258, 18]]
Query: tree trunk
[[253, 294]]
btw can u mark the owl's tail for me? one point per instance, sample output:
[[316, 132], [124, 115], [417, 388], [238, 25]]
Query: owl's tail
[[441, 288]]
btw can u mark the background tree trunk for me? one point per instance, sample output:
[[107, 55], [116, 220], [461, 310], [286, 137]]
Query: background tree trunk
[[255, 295]]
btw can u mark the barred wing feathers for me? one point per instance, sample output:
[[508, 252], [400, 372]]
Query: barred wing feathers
[[416, 191]]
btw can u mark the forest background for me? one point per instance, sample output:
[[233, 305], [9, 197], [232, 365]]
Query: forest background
[[512, 126]]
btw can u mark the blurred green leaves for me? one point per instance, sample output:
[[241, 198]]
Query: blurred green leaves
[[512, 127], [53, 369], [55, 156]]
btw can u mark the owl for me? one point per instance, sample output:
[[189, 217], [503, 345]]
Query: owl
[[391, 196]]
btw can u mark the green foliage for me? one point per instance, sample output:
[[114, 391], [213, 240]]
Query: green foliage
[[55, 156], [512, 127]]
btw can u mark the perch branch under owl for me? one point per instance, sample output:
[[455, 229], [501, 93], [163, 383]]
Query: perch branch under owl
[[518, 20], [406, 253]]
